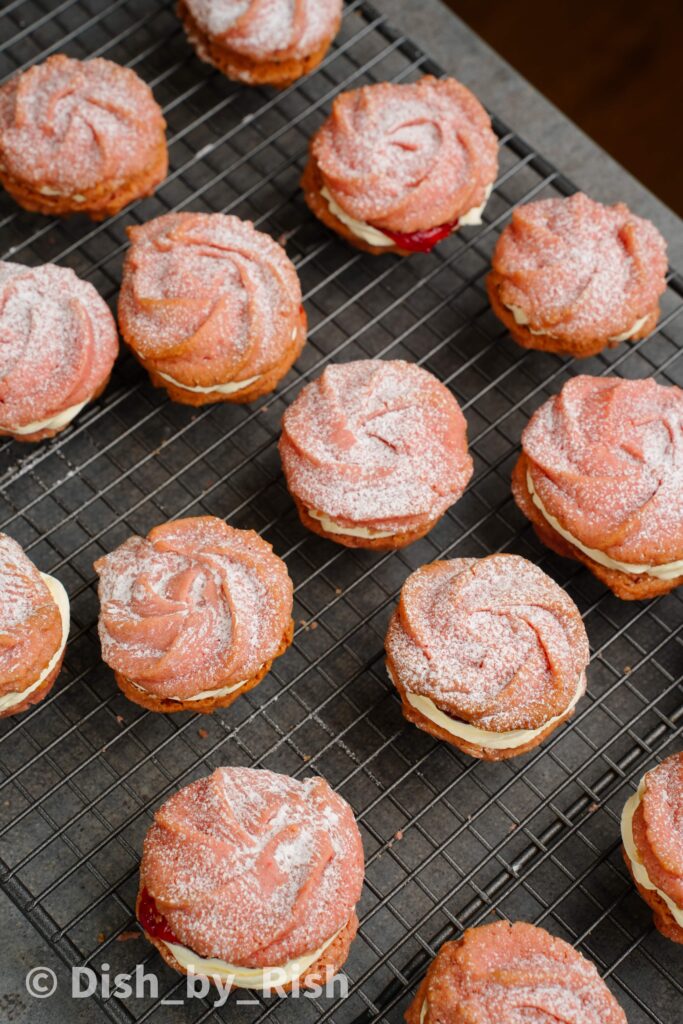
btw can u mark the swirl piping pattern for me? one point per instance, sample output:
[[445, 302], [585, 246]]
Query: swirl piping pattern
[[195, 606], [576, 269], [605, 457], [658, 827], [515, 973], [376, 443], [30, 623], [492, 641], [69, 125], [58, 342], [253, 867], [206, 298], [409, 157], [262, 29]]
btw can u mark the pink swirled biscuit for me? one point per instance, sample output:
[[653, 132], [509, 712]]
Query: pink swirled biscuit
[[512, 973], [58, 344], [396, 168], [652, 834], [80, 137], [601, 479], [256, 873], [488, 654], [271, 42], [374, 452], [211, 307], [574, 276], [193, 615], [34, 626]]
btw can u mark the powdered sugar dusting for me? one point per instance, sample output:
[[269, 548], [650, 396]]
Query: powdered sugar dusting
[[606, 459], [58, 342], [206, 298], [578, 269], [492, 641], [265, 28], [253, 867], [518, 974], [30, 623], [218, 16], [72, 125], [375, 443], [195, 606], [20, 585], [658, 827], [407, 157]]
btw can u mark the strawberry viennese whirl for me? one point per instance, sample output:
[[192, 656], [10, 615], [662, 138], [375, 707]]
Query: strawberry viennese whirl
[[58, 346], [512, 972], [211, 307], [652, 836], [261, 42], [488, 654], [399, 167], [251, 879], [193, 615], [34, 627], [600, 477], [374, 452], [80, 137], [574, 277]]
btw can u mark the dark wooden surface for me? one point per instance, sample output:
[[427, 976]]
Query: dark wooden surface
[[613, 68]]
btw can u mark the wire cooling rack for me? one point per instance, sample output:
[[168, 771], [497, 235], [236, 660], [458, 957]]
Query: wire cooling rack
[[450, 841]]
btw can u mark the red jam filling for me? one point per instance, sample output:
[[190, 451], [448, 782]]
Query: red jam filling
[[152, 921], [420, 241]]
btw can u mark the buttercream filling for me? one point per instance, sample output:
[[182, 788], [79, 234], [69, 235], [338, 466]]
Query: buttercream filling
[[625, 335], [522, 319], [259, 978], [204, 695], [59, 595], [46, 190], [56, 422], [637, 866], [373, 236], [665, 571], [228, 388], [332, 526], [485, 737]]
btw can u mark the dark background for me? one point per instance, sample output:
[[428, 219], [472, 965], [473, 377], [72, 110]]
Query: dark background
[[616, 69]]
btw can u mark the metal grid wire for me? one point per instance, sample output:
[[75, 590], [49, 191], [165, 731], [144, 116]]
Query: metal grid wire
[[449, 841]]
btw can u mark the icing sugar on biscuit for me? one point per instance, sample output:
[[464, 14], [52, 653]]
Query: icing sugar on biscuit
[[573, 269], [196, 606], [208, 302], [67, 126], [605, 459], [407, 157], [376, 445], [492, 645], [253, 869], [59, 343]]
